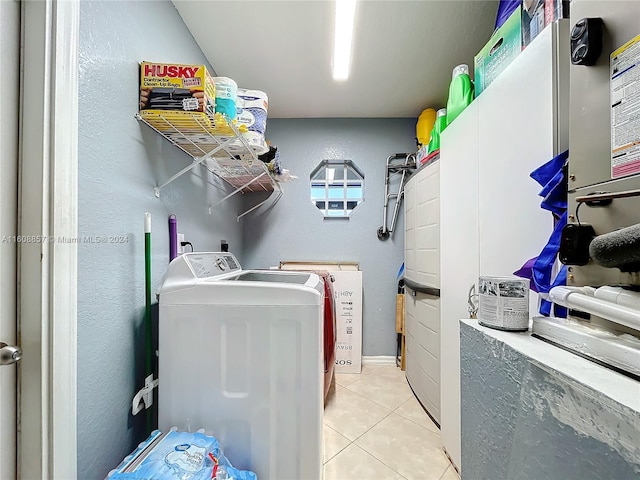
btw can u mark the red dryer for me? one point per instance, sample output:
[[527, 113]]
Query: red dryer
[[329, 329]]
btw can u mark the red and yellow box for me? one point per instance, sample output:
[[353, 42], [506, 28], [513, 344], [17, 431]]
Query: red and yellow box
[[176, 87]]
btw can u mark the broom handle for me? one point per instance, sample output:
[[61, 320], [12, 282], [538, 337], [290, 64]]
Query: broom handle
[[148, 368]]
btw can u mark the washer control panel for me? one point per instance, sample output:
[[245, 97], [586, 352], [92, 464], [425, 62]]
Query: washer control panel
[[212, 264]]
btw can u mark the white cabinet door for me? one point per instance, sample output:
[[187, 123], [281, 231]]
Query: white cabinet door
[[517, 125], [422, 226], [409, 228], [458, 259], [422, 267], [422, 349], [427, 225]]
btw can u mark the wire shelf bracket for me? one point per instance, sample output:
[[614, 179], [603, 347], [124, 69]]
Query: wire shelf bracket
[[220, 146]]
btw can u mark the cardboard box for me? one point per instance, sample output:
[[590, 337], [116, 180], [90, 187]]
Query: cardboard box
[[505, 45], [524, 25], [537, 14], [176, 87], [347, 288]]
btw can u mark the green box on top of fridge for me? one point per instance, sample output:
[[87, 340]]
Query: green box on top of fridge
[[505, 45]]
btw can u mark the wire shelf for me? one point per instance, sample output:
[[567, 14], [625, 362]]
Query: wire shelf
[[219, 145]]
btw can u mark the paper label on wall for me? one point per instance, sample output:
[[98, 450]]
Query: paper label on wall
[[347, 289], [625, 109]]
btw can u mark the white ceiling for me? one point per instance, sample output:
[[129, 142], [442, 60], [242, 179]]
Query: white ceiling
[[403, 52]]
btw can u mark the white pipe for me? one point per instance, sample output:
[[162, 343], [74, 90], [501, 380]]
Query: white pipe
[[620, 296], [573, 298]]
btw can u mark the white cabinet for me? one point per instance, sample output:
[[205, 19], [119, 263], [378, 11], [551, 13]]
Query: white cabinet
[[516, 135], [422, 282], [490, 218]]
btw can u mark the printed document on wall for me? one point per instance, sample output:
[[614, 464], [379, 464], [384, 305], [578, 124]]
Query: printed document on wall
[[625, 109]]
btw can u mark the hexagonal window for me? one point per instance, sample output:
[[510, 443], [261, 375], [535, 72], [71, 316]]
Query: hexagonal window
[[337, 187]]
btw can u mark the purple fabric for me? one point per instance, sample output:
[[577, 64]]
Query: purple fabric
[[526, 271], [173, 237]]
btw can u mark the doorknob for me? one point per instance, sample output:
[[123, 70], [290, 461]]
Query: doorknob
[[9, 354]]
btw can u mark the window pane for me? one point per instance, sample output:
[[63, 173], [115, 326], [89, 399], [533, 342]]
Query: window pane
[[352, 174], [319, 175], [336, 192], [335, 172], [354, 192], [320, 205], [317, 193], [351, 205]]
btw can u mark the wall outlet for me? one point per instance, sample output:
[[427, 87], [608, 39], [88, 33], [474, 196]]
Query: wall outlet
[[180, 240]]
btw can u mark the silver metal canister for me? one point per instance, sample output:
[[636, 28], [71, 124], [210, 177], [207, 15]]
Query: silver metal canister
[[503, 303]]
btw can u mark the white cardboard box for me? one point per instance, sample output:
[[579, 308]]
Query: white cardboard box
[[347, 288]]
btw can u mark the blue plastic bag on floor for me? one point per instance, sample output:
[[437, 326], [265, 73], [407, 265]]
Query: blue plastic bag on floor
[[178, 455]]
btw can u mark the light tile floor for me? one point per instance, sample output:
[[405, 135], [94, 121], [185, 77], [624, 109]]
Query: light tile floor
[[374, 428]]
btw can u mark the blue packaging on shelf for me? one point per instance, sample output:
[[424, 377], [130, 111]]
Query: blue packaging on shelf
[[226, 96], [252, 110]]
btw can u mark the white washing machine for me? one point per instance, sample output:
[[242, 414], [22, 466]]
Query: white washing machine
[[241, 355]]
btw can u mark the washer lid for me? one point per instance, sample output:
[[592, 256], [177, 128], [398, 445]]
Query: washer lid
[[272, 276], [216, 278]]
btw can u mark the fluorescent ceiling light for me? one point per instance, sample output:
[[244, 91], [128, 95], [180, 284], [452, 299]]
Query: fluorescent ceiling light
[[345, 16]]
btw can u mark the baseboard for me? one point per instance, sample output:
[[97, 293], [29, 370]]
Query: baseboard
[[379, 360]]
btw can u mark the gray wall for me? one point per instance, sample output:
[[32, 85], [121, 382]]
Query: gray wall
[[295, 230], [523, 421], [120, 161]]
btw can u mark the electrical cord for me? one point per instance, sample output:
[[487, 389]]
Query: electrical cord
[[183, 244], [577, 209]]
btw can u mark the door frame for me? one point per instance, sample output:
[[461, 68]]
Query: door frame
[[9, 108], [47, 267]]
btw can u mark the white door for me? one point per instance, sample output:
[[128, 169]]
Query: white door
[[9, 101]]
